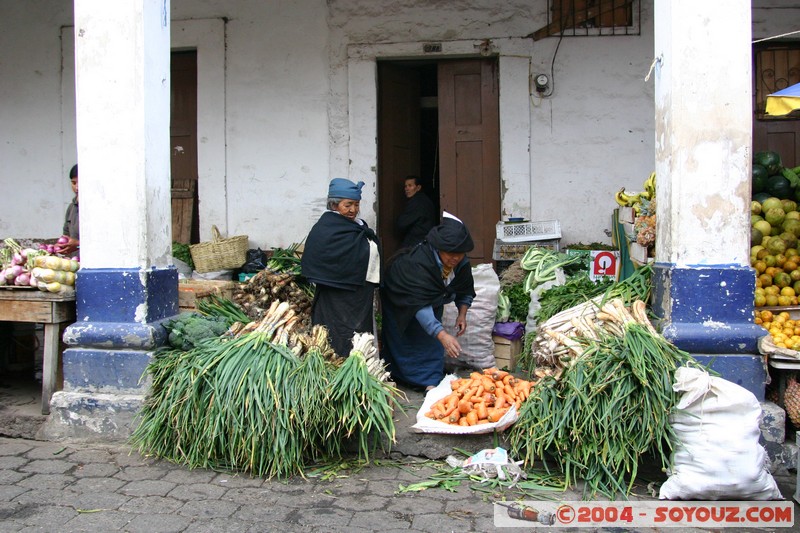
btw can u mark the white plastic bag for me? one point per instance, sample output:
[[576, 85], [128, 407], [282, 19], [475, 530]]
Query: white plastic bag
[[716, 455], [477, 346], [534, 306]]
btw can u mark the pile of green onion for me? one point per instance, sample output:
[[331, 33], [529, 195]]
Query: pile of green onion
[[265, 400], [609, 406]]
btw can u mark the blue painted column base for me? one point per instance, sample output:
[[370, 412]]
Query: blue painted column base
[[708, 312], [745, 370], [119, 324]]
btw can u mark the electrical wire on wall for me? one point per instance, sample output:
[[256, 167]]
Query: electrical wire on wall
[[550, 86]]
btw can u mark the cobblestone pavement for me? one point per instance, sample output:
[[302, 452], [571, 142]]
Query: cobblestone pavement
[[66, 487]]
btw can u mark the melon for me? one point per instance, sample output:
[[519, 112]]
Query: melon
[[771, 202]]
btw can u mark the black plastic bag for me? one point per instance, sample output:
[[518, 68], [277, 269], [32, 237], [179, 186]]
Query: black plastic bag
[[256, 261]]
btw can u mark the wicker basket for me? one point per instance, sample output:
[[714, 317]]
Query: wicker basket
[[219, 254]]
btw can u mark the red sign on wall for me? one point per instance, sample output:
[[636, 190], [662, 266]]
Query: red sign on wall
[[604, 264]]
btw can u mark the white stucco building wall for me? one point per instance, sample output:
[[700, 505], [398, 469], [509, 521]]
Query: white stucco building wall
[[284, 91]]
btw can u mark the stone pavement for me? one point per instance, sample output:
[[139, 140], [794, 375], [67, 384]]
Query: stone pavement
[[72, 487]]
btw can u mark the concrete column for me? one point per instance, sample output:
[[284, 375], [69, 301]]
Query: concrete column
[[703, 283], [126, 284]]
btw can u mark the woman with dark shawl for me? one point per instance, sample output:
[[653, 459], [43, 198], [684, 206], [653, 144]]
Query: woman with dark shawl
[[342, 258], [417, 284]]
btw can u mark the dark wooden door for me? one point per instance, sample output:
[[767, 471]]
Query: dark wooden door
[[469, 133], [183, 147], [398, 145]]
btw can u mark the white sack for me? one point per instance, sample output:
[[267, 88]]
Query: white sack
[[476, 343], [716, 455]]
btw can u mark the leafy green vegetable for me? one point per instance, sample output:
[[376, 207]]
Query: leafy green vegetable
[[576, 290], [186, 331], [519, 301], [181, 251]]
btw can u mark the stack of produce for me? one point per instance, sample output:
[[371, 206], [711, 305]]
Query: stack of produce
[[482, 398], [256, 295], [28, 267], [266, 398], [644, 210], [608, 401], [562, 306], [785, 332], [775, 228], [771, 178]]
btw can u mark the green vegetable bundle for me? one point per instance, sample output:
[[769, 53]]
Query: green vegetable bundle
[[543, 264], [607, 406], [256, 402], [186, 331], [181, 251]]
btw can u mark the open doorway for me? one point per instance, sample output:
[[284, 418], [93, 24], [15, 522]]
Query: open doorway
[[439, 120]]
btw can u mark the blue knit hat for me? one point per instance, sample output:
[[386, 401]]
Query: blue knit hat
[[344, 188]]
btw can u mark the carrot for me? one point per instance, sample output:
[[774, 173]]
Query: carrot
[[464, 406], [482, 410], [464, 386], [500, 402], [431, 414], [463, 421], [483, 421], [489, 398], [500, 375], [469, 393], [488, 384], [475, 375], [509, 392], [496, 414], [489, 371], [472, 418], [450, 411], [453, 418]]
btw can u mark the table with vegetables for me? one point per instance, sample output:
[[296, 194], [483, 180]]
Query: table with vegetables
[[38, 286]]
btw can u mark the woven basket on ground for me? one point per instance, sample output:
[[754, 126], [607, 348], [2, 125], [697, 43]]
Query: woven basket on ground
[[219, 253]]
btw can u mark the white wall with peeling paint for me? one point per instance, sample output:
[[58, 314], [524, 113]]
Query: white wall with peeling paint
[[280, 83]]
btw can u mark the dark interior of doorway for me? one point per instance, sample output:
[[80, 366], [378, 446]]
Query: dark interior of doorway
[[429, 130], [408, 134]]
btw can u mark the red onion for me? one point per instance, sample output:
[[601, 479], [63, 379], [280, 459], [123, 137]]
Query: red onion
[[23, 279], [62, 240], [51, 249]]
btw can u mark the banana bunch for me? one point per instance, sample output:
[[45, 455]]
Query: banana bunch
[[634, 199]]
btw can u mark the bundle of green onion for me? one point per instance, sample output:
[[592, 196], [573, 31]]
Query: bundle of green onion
[[265, 399], [609, 406]]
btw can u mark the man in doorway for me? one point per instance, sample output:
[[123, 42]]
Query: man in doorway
[[419, 215]]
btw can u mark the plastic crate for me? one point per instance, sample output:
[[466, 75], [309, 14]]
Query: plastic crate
[[543, 230], [509, 251]]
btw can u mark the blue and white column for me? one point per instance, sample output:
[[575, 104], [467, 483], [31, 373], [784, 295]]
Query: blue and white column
[[703, 283], [126, 284]]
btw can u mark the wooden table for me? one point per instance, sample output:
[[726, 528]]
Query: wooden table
[[55, 311]]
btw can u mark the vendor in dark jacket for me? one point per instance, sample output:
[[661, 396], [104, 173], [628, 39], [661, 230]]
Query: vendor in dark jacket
[[418, 283], [342, 258], [71, 227], [419, 215]]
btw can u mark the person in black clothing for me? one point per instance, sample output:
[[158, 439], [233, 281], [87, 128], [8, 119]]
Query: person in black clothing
[[419, 215], [342, 258], [417, 283], [71, 228]]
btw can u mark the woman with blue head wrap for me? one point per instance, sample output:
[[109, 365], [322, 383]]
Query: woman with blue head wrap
[[342, 258]]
